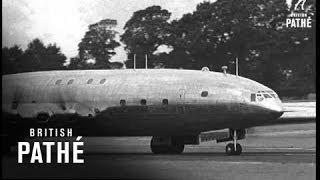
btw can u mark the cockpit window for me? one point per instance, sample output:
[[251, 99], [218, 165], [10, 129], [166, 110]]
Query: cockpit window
[[261, 95], [267, 96], [272, 93]]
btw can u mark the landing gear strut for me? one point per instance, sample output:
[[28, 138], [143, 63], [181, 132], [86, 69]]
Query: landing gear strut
[[166, 145], [234, 148]]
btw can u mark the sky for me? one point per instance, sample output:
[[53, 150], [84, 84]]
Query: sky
[[65, 22]]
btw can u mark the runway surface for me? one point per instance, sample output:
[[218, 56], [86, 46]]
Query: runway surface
[[253, 164], [269, 152], [265, 155]]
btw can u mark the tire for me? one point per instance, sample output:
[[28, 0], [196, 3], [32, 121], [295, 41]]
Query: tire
[[238, 150], [230, 149]]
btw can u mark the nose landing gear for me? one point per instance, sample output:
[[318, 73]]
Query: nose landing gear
[[233, 148]]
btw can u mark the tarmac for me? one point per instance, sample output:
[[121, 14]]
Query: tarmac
[[265, 156], [269, 152]]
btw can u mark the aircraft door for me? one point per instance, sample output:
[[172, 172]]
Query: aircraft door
[[181, 100]]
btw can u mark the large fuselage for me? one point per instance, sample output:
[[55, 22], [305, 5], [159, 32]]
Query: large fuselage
[[139, 102]]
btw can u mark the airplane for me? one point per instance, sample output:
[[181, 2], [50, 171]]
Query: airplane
[[174, 106]]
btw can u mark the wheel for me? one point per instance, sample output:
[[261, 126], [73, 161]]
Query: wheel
[[238, 150], [230, 149]]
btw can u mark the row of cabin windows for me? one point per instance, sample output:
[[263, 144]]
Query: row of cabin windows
[[144, 102], [58, 82], [122, 101], [102, 81]]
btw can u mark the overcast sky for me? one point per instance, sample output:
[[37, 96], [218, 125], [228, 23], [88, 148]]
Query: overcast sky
[[65, 21]]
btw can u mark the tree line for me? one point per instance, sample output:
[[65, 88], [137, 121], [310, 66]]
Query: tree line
[[214, 35]]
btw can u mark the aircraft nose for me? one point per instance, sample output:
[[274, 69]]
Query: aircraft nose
[[277, 114], [276, 109]]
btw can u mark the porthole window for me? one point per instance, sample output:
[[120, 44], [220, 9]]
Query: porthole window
[[165, 102], [102, 81], [204, 93], [89, 81], [122, 102], [58, 82], [70, 81], [143, 102]]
